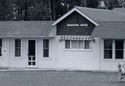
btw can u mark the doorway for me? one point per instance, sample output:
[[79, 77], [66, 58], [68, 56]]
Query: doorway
[[31, 52]]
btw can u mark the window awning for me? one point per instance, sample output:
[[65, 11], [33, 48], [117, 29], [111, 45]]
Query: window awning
[[76, 37]]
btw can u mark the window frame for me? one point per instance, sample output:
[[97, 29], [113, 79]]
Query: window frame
[[69, 44], [18, 47], [46, 48], [85, 44], [1, 46], [114, 50], [78, 48], [119, 49], [107, 49]]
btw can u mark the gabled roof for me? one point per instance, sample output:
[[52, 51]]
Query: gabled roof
[[110, 30], [102, 15], [26, 28], [95, 15], [80, 12]]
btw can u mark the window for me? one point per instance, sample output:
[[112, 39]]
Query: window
[[17, 47], [113, 49], [45, 48], [119, 48], [67, 44], [0, 47], [87, 44], [77, 44], [107, 49]]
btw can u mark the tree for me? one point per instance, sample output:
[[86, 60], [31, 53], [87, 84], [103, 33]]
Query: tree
[[60, 7], [5, 10], [92, 3], [111, 3], [121, 3], [39, 11], [29, 10]]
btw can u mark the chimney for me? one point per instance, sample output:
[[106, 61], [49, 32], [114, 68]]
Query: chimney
[[101, 5]]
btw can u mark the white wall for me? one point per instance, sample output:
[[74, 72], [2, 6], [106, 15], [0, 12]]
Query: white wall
[[8, 58], [4, 59], [70, 59], [60, 58], [108, 64], [18, 61]]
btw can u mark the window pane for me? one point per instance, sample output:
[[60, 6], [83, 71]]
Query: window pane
[[0, 51], [87, 44], [77, 44], [17, 52], [0, 42], [17, 47], [0, 47], [80, 45], [45, 48], [32, 51], [119, 46], [33, 63], [46, 43], [18, 43], [74, 44], [107, 49], [31, 47], [108, 44], [119, 54], [67, 44], [107, 54], [46, 53], [29, 63]]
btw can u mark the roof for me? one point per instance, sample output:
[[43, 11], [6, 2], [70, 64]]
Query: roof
[[80, 12], [112, 22], [109, 24], [25, 28], [95, 15], [102, 15], [121, 10], [110, 30]]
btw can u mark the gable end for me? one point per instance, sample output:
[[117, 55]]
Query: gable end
[[78, 11]]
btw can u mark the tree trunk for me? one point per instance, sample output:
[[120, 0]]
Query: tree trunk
[[50, 11], [26, 11]]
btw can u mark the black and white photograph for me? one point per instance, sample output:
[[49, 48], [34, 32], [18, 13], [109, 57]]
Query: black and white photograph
[[62, 42]]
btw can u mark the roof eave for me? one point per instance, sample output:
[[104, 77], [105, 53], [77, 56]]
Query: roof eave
[[27, 36]]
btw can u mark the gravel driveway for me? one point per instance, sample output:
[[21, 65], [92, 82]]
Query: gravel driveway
[[58, 78]]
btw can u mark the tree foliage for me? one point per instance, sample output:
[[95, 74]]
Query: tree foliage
[[5, 10], [29, 10]]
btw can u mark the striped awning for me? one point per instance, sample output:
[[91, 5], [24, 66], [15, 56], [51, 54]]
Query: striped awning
[[76, 37]]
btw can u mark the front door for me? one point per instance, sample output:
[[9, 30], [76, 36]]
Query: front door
[[31, 53]]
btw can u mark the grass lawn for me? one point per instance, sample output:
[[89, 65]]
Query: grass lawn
[[58, 78]]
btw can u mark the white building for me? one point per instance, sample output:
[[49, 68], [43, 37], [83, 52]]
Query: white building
[[82, 39]]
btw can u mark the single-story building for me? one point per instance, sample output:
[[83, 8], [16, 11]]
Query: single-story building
[[82, 39]]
